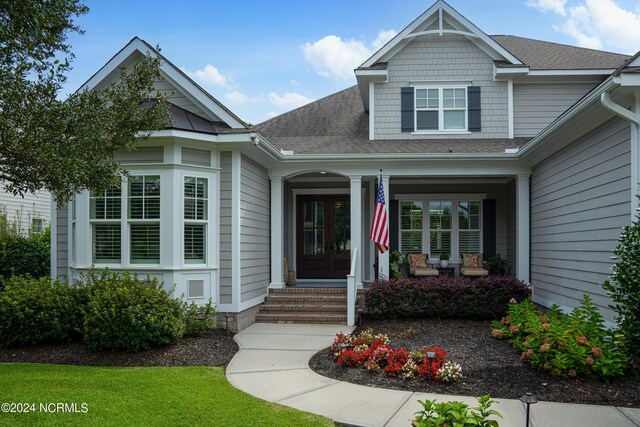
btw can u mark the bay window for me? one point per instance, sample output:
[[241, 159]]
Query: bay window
[[196, 216], [144, 219], [104, 215]]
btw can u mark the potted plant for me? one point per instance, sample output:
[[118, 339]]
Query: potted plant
[[497, 265], [444, 260], [398, 265]]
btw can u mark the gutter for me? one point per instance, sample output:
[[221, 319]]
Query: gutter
[[634, 119]]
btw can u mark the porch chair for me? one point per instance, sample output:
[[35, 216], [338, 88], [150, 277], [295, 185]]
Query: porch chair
[[418, 266], [289, 276], [472, 265]]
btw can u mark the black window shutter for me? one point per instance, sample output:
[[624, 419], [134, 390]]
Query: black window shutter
[[393, 225], [473, 103], [406, 108], [489, 228]]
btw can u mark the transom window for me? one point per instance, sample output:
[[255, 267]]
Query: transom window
[[441, 108], [195, 219]]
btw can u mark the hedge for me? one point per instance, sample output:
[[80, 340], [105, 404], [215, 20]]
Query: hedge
[[480, 298]]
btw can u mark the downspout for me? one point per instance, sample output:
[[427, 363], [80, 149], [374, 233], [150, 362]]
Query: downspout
[[634, 118]]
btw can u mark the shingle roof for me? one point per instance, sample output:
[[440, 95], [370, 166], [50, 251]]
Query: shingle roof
[[338, 124], [541, 55]]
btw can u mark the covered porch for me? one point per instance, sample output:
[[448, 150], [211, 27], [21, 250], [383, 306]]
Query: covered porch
[[321, 217]]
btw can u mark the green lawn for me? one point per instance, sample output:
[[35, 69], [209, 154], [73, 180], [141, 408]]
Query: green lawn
[[156, 396]]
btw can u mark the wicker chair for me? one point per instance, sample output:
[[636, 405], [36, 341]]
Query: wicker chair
[[289, 276], [416, 266], [473, 271]]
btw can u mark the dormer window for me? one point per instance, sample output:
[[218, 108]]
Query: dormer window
[[441, 108], [450, 108]]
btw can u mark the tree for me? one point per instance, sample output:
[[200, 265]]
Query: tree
[[64, 145]]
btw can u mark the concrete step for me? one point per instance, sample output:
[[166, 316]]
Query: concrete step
[[304, 308], [302, 318]]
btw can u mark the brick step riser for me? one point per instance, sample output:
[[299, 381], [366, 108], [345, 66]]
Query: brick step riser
[[302, 308], [307, 299], [308, 290], [301, 319]]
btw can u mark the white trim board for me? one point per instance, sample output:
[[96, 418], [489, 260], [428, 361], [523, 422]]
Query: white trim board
[[440, 197]]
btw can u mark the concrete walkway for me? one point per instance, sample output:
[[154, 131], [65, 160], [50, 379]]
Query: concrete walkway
[[273, 364]]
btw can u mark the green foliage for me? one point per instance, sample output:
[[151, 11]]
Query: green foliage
[[198, 318], [497, 265], [481, 298], [35, 311], [132, 314], [444, 257], [397, 260], [456, 414], [625, 291], [68, 145], [563, 344]]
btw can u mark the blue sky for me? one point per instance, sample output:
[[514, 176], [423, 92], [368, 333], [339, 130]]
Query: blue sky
[[262, 58]]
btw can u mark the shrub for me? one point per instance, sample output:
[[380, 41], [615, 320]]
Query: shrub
[[456, 414], [125, 312], [625, 291], [198, 318], [35, 311], [563, 344], [481, 298]]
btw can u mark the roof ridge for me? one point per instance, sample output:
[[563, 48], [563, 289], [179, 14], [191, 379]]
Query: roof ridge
[[279, 116]]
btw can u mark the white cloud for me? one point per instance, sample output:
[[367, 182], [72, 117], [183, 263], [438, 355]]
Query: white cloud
[[332, 56], [596, 24], [288, 100], [294, 82], [383, 37], [209, 75], [556, 6], [271, 114], [237, 98]]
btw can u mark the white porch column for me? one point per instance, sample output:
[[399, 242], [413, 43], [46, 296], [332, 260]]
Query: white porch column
[[356, 225], [522, 228], [383, 259], [277, 232]]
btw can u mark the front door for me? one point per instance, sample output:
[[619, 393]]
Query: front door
[[323, 237]]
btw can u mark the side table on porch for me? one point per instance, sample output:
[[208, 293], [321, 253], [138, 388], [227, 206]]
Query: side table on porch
[[446, 271]]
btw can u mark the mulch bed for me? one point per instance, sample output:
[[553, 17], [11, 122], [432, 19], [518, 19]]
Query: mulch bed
[[489, 366], [215, 348]]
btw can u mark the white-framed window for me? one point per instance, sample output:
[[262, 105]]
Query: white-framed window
[[440, 226], [411, 225], [441, 108], [196, 217], [105, 210], [143, 217], [469, 226]]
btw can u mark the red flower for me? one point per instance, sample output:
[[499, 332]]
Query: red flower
[[589, 361], [581, 340], [545, 326], [597, 351], [544, 348], [514, 329]]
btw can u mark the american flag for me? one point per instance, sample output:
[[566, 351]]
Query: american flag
[[380, 226]]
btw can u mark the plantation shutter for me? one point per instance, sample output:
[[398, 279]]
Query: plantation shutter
[[406, 108], [473, 104], [489, 228], [393, 225]]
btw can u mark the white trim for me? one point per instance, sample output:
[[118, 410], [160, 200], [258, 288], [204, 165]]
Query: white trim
[[216, 227], [441, 109], [277, 234], [372, 73], [236, 283], [372, 246], [383, 259], [443, 131], [510, 106], [356, 217], [594, 72], [498, 71], [54, 239], [372, 111], [522, 228], [441, 32], [311, 191], [441, 197]]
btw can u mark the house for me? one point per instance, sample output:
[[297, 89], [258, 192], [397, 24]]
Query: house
[[30, 213], [491, 144]]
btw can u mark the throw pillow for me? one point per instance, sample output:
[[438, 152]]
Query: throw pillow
[[471, 260], [418, 261]]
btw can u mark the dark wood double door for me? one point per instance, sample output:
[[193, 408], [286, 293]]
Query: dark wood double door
[[323, 237]]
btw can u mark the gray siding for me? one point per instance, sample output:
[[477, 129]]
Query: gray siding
[[194, 156], [62, 236], [255, 226], [433, 58], [24, 209], [141, 155], [225, 228], [178, 98], [535, 106], [580, 200]]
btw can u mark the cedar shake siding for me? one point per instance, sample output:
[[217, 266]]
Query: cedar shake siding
[[430, 59], [579, 204]]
